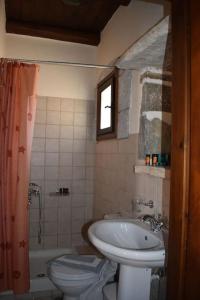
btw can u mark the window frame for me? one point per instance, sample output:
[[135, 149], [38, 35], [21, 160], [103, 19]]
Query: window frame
[[110, 132]]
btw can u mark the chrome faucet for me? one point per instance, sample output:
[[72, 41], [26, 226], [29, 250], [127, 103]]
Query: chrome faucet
[[155, 223]]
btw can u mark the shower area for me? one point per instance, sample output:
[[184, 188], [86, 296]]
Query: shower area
[[61, 180]]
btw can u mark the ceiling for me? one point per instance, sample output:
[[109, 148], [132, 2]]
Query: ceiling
[[79, 21]]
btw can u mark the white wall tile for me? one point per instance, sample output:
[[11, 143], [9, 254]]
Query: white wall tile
[[40, 116], [50, 201], [37, 159], [65, 173], [66, 145], [80, 119], [79, 173], [52, 131], [65, 159], [64, 241], [79, 146], [50, 214], [77, 225], [64, 201], [90, 147], [67, 105], [50, 228], [53, 117], [53, 104], [51, 186], [79, 133], [50, 242], [41, 103], [66, 132], [52, 159], [79, 159], [91, 106], [39, 131], [64, 213], [51, 173], [38, 145], [67, 118], [52, 145], [91, 120], [89, 186], [90, 173], [37, 172], [88, 213], [81, 106], [78, 213], [79, 186], [78, 200], [91, 133], [64, 226], [90, 160]]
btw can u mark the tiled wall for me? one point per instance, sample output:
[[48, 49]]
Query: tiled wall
[[117, 187], [62, 156]]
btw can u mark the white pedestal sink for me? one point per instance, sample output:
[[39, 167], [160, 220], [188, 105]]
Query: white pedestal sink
[[138, 249]]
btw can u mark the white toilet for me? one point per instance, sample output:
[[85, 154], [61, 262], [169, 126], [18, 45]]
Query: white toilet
[[72, 282], [75, 277]]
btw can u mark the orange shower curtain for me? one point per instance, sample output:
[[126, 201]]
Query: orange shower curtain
[[17, 114]]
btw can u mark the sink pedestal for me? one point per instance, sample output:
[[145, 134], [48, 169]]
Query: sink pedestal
[[134, 283]]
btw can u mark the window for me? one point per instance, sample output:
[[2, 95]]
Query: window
[[107, 107]]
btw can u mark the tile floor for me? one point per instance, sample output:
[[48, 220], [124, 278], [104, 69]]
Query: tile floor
[[42, 295]]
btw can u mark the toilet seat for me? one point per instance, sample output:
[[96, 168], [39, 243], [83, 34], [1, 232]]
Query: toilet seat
[[69, 273]]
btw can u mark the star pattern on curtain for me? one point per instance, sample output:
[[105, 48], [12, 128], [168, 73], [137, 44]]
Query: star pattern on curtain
[[22, 149], [22, 244], [16, 274]]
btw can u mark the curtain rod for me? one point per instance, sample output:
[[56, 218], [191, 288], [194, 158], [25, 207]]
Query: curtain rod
[[67, 63], [64, 63]]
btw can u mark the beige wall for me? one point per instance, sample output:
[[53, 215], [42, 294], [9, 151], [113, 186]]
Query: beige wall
[[2, 28], [57, 81], [117, 187], [126, 26]]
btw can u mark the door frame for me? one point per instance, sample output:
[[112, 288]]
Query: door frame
[[183, 281]]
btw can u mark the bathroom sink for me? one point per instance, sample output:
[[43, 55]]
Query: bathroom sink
[[129, 242]]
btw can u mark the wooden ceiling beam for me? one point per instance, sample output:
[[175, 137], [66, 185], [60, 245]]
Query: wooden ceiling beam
[[124, 2], [53, 33]]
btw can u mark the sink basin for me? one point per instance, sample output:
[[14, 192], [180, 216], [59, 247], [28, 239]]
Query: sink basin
[[135, 247], [129, 242]]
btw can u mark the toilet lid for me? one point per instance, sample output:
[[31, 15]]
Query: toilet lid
[[70, 273]]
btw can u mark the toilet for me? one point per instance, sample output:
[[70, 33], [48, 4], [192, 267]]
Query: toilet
[[80, 277]]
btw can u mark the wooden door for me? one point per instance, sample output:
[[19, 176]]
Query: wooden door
[[184, 238]]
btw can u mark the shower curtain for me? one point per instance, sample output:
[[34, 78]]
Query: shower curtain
[[17, 114]]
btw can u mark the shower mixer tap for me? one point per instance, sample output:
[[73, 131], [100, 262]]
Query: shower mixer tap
[[35, 190]]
